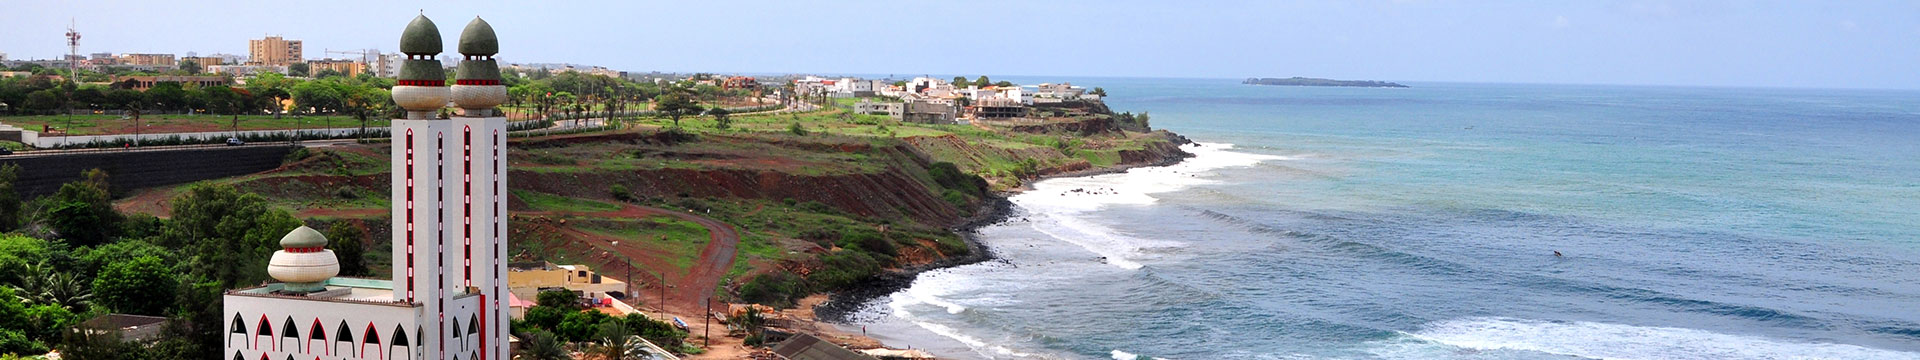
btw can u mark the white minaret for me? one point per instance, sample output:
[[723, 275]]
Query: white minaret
[[449, 186], [480, 160]]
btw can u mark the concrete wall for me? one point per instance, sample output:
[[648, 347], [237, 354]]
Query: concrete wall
[[131, 170]]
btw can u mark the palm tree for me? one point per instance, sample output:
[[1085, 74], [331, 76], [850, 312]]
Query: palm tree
[[543, 345], [617, 343], [42, 286]]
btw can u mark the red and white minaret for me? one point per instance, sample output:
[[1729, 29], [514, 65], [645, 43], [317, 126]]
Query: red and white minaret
[[480, 194]]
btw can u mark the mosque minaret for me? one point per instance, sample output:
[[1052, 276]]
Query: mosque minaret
[[447, 298]]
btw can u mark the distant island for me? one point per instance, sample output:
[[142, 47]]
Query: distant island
[[1303, 81]]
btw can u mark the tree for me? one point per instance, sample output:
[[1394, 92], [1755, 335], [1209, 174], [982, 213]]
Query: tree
[[345, 239], [559, 300], [542, 345], [9, 197], [982, 81], [81, 211], [327, 73], [143, 286], [616, 343], [658, 332], [722, 118], [43, 285], [226, 234], [1004, 83], [297, 69], [191, 66], [1098, 91], [675, 105], [322, 97], [960, 81]]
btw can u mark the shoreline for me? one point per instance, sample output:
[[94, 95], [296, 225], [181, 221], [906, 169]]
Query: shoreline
[[839, 307]]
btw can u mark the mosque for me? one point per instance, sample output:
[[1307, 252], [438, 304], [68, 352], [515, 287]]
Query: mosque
[[447, 298]]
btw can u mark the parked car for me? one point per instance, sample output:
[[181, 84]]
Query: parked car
[[235, 142]]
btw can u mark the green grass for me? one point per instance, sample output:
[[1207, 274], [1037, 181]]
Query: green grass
[[683, 240], [549, 202]]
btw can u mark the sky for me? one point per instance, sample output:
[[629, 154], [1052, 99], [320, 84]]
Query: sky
[[1758, 43]]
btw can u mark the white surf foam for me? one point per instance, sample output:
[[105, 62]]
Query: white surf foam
[[1616, 341], [1136, 186], [1058, 203], [1122, 355], [899, 310]]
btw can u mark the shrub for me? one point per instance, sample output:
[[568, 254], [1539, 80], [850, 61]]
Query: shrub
[[796, 129], [777, 289], [620, 192], [844, 268]]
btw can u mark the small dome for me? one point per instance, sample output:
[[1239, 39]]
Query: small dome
[[478, 39], [304, 237], [421, 37]]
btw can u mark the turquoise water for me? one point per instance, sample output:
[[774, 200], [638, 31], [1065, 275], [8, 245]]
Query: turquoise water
[[1422, 223]]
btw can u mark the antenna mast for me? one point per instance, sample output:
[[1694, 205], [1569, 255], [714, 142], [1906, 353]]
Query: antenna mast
[[73, 51]]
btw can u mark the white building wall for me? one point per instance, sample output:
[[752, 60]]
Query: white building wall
[[478, 196], [258, 326]]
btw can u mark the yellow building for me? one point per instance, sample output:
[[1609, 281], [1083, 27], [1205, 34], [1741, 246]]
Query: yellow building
[[526, 280], [206, 61], [147, 59], [274, 50], [349, 68]]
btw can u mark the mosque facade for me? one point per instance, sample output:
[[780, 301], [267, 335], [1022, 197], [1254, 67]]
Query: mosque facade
[[447, 295]]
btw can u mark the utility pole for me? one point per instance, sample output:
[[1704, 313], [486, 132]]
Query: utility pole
[[707, 329], [73, 77]]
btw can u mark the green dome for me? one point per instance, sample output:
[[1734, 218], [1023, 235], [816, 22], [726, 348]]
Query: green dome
[[420, 38], [478, 39], [304, 237]]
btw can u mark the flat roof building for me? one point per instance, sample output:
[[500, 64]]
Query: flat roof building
[[274, 50]]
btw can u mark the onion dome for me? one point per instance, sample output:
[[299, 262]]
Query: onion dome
[[477, 86], [421, 86], [421, 37], [304, 264], [478, 39], [304, 237]]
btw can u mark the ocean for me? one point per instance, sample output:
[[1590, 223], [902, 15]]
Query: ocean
[[1423, 223]]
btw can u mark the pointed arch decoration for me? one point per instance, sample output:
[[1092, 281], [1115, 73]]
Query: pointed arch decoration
[[239, 327]]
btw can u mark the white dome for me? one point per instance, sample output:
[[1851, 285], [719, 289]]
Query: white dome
[[421, 98], [313, 267], [476, 97]]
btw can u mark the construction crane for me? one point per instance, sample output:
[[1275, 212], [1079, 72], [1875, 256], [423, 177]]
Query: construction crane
[[371, 57]]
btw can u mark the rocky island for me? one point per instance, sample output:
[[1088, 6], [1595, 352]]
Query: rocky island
[[1306, 81]]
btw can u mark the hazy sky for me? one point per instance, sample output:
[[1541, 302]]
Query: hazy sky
[[1848, 44]]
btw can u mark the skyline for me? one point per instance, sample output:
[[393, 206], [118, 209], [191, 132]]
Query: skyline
[[1790, 44]]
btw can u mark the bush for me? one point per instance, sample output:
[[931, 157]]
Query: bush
[[954, 197], [870, 242], [778, 289], [796, 129], [620, 192], [844, 268], [559, 299]]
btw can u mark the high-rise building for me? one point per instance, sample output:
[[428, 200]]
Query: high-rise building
[[449, 236], [274, 50]]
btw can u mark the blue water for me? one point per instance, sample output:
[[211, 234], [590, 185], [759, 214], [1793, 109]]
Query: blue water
[[1422, 223]]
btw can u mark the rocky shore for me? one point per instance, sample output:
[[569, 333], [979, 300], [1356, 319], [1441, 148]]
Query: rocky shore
[[843, 307]]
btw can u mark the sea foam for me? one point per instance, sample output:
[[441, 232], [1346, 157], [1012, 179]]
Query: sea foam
[[1616, 341], [1059, 204]]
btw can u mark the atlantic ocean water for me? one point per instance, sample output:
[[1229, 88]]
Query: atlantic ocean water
[[1422, 223]]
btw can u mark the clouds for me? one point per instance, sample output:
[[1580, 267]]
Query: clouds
[[1561, 22]]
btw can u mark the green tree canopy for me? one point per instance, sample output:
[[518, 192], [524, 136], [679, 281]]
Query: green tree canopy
[[142, 286], [346, 240], [227, 235], [82, 211]]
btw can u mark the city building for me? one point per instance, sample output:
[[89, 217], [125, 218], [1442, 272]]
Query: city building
[[449, 228], [205, 61], [274, 50], [143, 83], [740, 82], [148, 59], [870, 107], [246, 70], [527, 280], [998, 108], [930, 111], [350, 68]]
